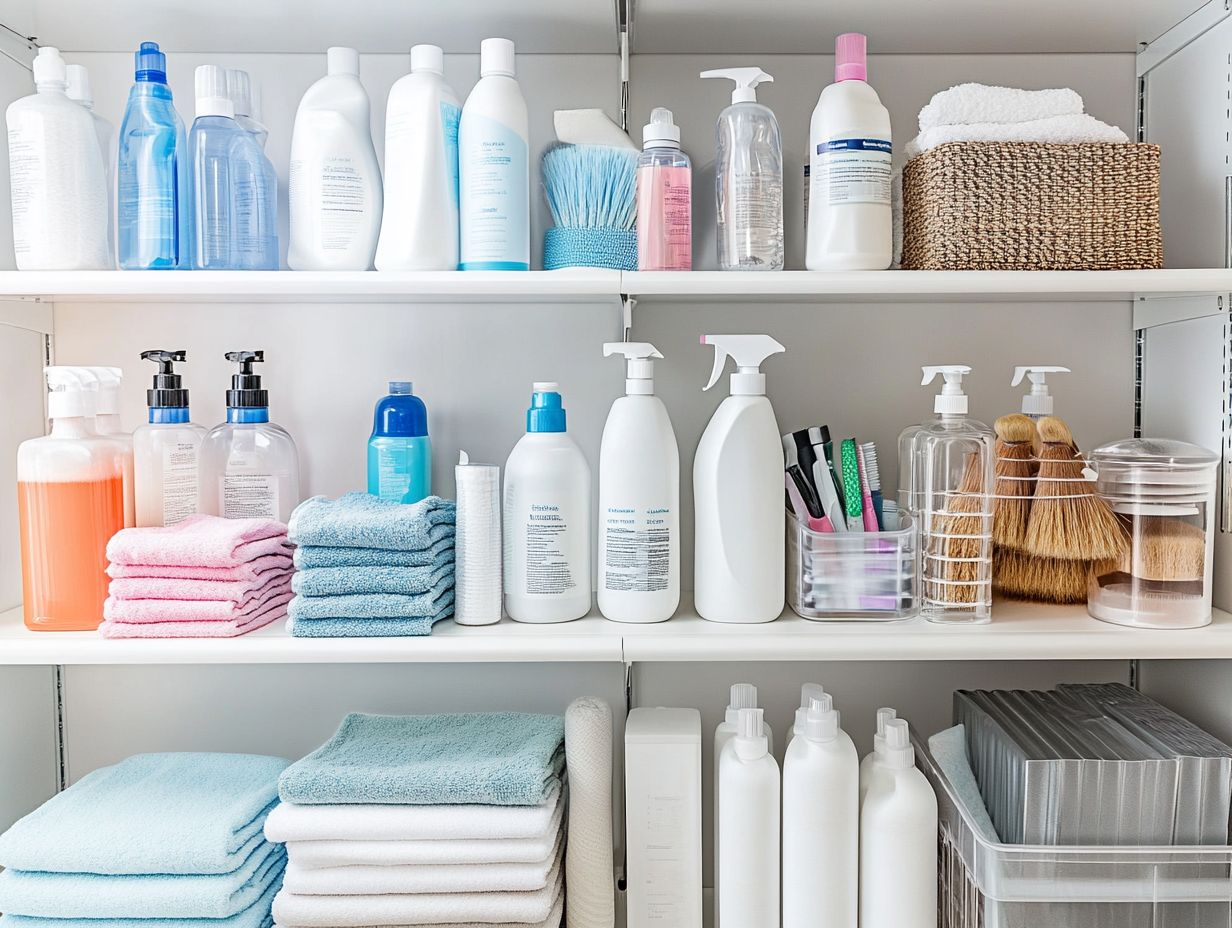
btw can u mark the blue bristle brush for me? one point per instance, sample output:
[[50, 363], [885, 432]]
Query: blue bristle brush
[[592, 193]]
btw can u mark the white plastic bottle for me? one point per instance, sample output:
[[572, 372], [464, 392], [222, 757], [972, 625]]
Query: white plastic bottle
[[494, 167], [738, 493], [898, 841], [868, 766], [107, 423], [750, 786], [850, 147], [547, 518], [167, 450], [639, 498], [57, 177], [808, 692], [78, 90], [821, 824], [419, 228], [748, 177], [334, 181]]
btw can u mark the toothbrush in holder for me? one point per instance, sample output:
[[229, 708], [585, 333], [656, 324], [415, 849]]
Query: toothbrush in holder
[[866, 493]]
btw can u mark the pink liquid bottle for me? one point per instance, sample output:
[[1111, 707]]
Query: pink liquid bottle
[[664, 198]]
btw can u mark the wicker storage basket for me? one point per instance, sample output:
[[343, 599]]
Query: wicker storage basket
[[1027, 206]]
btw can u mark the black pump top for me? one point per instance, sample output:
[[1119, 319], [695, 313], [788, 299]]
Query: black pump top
[[246, 392], [167, 392]]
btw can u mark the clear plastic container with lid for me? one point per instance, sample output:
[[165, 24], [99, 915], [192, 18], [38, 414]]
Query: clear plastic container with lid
[[1163, 492]]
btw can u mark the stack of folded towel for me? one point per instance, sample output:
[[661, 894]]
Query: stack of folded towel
[[368, 567], [439, 820], [157, 841], [205, 577]]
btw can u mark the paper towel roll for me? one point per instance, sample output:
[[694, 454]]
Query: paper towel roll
[[588, 855], [477, 544]]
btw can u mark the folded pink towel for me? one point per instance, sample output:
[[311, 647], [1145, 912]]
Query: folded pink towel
[[239, 592], [198, 541], [250, 570], [272, 612], [160, 611]]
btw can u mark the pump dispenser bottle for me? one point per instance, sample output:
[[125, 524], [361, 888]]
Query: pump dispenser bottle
[[167, 450], [748, 177], [107, 423], [249, 465], [874, 757], [639, 498], [748, 835], [738, 492], [1038, 402], [399, 451]]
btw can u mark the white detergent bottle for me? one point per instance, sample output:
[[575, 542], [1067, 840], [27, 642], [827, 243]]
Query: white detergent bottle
[[821, 823], [748, 177], [808, 692], [419, 229], [546, 518], [494, 167], [639, 498], [57, 177], [738, 492], [749, 846], [898, 841], [78, 90], [167, 450], [850, 226], [335, 181], [872, 760]]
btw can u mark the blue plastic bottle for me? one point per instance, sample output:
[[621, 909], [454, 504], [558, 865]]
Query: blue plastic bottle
[[234, 214], [153, 171], [399, 451]]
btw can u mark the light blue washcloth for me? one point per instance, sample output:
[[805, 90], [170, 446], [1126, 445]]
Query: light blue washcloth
[[949, 750], [358, 520], [441, 537], [158, 895], [151, 813], [487, 758], [372, 605], [366, 628], [343, 581]]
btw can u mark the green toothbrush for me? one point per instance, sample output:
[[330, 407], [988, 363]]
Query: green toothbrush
[[852, 499]]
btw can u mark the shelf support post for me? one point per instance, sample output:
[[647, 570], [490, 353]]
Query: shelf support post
[[626, 315]]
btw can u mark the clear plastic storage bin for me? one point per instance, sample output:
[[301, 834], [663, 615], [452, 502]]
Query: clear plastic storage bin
[[852, 575]]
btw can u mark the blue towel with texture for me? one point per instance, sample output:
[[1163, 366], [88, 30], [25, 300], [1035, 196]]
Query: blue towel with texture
[[372, 605], [490, 758], [158, 895], [344, 581], [359, 520], [152, 813], [440, 536], [367, 628]]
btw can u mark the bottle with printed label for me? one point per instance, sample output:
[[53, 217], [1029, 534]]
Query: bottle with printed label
[[493, 167], [399, 451], [249, 466], [664, 198], [419, 230], [547, 518], [167, 450], [239, 89], [335, 181], [79, 92], [849, 220]]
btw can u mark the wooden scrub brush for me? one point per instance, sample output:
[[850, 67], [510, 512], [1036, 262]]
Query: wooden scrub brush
[[1019, 575], [960, 541], [1166, 549], [1015, 469]]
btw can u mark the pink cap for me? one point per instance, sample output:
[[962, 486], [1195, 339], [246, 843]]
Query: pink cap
[[851, 57]]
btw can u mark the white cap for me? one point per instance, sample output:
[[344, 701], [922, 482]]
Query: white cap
[[821, 724], [746, 80], [742, 696], [750, 742], [748, 351], [661, 128], [428, 58], [639, 373], [545, 386], [341, 60], [810, 691], [239, 89], [898, 752], [211, 87], [884, 716], [49, 68], [496, 58], [1039, 401], [67, 397], [109, 379], [951, 401], [78, 79]]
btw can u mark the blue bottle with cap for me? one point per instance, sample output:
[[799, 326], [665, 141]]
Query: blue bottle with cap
[[399, 451], [153, 171]]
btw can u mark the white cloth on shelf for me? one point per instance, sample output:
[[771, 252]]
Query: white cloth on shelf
[[552, 921], [969, 104], [1055, 130]]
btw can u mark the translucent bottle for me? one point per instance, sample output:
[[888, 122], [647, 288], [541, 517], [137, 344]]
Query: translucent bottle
[[166, 451], [399, 451], [239, 89], [106, 383], [78, 91], [664, 198]]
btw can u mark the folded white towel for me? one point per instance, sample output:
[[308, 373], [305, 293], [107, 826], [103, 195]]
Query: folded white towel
[[1056, 130], [552, 921], [967, 104]]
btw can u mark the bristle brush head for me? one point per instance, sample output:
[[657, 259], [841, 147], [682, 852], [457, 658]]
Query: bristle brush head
[[1015, 428], [869, 450], [1054, 431]]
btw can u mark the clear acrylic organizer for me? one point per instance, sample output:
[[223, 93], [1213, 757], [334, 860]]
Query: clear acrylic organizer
[[852, 576]]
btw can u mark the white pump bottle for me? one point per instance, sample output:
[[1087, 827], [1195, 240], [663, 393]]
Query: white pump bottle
[[738, 492], [748, 886], [639, 498], [1037, 403]]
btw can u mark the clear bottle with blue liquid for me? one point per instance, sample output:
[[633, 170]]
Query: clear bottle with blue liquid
[[399, 451]]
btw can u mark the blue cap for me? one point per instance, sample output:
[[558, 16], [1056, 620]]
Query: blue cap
[[546, 414], [401, 414], [151, 63]]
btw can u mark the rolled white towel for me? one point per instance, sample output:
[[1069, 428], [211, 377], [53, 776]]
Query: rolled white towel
[[968, 104], [1057, 130]]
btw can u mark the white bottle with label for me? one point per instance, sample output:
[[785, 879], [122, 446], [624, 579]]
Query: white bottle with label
[[494, 167], [872, 760], [738, 493], [57, 177], [419, 229], [821, 823], [898, 840], [334, 181], [639, 498], [850, 225], [167, 451], [749, 847], [79, 92], [547, 518]]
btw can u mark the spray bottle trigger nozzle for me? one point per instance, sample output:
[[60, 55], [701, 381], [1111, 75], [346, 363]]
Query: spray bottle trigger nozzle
[[164, 359], [953, 373], [245, 359], [1035, 373], [746, 80], [633, 351]]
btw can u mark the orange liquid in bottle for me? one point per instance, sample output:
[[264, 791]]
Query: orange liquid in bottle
[[65, 527]]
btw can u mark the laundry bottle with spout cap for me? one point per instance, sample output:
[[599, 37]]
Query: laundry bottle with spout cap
[[167, 450]]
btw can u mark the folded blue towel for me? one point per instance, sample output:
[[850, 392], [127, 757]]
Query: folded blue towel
[[373, 605], [158, 895], [343, 581], [359, 520], [491, 758], [441, 538], [366, 628], [151, 813]]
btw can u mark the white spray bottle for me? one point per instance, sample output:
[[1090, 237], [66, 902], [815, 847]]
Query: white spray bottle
[[639, 498], [738, 492], [1037, 403]]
